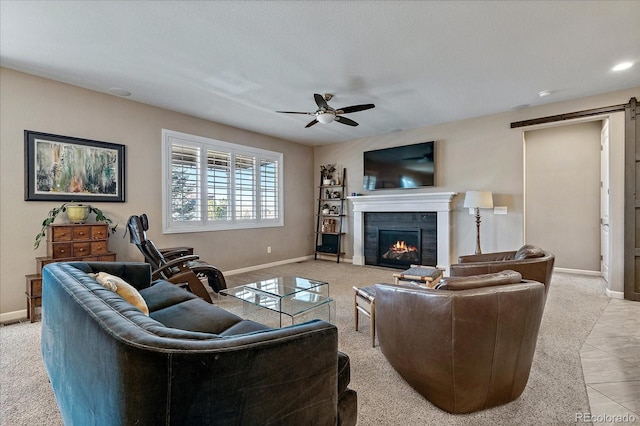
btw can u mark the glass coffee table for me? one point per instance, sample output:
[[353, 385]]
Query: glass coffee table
[[300, 299]]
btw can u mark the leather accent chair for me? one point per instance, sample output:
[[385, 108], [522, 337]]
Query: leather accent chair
[[176, 266], [466, 346], [532, 262]]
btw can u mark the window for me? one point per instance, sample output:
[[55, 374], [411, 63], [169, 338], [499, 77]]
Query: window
[[211, 185]]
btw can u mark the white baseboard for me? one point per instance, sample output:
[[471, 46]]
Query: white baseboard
[[614, 294], [281, 262], [267, 265], [15, 315], [578, 272], [609, 293]]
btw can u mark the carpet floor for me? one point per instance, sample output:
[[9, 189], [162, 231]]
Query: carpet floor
[[555, 392]]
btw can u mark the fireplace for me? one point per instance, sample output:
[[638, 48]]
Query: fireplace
[[414, 235], [437, 203], [399, 248]]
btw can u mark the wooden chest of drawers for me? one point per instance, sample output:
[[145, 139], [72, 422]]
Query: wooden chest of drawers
[[77, 240], [65, 243], [34, 295]]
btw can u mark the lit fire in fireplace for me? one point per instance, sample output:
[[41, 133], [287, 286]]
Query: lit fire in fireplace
[[402, 247]]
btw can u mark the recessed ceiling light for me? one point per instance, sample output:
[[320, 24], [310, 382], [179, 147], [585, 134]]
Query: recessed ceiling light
[[622, 66], [119, 92], [544, 93]]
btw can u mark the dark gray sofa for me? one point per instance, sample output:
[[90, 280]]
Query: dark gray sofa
[[187, 363]]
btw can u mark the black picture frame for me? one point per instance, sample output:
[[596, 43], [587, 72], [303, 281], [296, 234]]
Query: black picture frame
[[64, 168]]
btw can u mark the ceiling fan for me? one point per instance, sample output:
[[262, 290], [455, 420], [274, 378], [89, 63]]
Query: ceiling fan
[[326, 114]]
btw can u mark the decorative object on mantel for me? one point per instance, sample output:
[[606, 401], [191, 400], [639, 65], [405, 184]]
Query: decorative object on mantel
[[74, 214], [478, 200], [327, 173]]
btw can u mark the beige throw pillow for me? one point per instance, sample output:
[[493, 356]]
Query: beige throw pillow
[[122, 288]]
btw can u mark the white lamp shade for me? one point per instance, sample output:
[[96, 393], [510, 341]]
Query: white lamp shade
[[479, 199], [326, 117]]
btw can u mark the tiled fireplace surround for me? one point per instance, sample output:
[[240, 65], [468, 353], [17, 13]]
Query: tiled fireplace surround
[[440, 203]]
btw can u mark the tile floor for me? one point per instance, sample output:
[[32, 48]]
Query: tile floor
[[611, 364]]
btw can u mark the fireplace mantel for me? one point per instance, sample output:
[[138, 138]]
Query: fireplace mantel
[[439, 202]]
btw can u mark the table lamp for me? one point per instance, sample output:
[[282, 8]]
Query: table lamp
[[478, 200]]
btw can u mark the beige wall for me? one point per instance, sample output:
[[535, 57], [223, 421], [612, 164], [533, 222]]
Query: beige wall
[[486, 154], [562, 191], [481, 153], [33, 103]]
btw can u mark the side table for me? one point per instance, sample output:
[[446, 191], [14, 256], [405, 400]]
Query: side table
[[365, 303]]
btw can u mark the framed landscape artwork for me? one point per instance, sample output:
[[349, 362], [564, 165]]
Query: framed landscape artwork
[[62, 168]]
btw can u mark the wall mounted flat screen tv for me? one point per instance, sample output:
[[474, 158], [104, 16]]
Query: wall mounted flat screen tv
[[408, 166]]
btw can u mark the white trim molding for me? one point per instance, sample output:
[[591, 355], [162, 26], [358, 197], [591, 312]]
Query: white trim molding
[[439, 202], [614, 294]]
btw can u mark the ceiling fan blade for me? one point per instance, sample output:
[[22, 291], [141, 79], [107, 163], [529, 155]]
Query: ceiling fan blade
[[320, 101], [345, 120], [354, 108], [295, 112], [311, 123]]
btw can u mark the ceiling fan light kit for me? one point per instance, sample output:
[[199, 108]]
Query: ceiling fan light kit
[[325, 114], [326, 117]]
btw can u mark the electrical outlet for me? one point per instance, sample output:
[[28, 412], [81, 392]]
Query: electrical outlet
[[500, 210], [268, 249]]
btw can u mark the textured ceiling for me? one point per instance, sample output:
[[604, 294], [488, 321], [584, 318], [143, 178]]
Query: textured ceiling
[[238, 62]]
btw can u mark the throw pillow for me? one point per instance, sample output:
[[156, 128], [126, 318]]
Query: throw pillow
[[123, 289], [528, 251]]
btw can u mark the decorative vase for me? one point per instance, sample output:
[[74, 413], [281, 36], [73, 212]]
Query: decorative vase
[[326, 182], [77, 213]]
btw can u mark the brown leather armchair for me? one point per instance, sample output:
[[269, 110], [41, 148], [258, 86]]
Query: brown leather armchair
[[532, 262], [466, 346]]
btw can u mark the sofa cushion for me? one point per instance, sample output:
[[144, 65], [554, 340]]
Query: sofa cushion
[[123, 289], [163, 294], [479, 281], [196, 315], [528, 251], [243, 327]]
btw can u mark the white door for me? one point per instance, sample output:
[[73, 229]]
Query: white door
[[604, 200]]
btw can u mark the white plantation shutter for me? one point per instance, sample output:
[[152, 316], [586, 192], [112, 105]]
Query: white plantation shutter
[[245, 187], [185, 181], [211, 185], [269, 200], [219, 192]]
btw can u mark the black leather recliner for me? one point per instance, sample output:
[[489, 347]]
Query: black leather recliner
[[174, 266]]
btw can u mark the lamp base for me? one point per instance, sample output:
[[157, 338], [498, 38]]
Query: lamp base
[[478, 249]]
